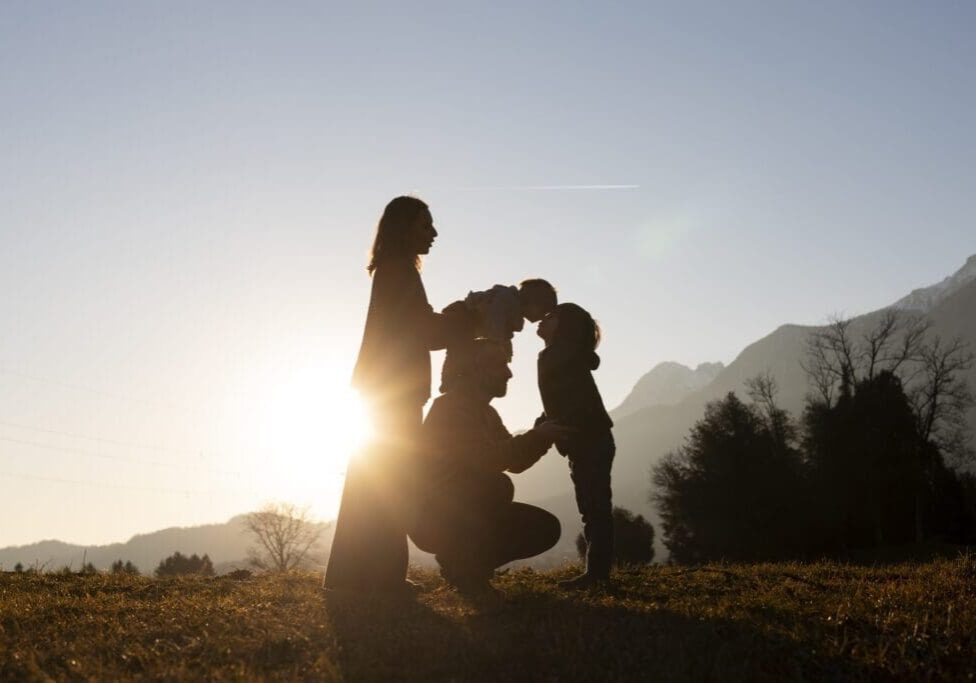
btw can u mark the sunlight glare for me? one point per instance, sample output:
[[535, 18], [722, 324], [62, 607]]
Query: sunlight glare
[[313, 423]]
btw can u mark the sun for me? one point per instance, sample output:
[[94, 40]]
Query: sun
[[313, 422]]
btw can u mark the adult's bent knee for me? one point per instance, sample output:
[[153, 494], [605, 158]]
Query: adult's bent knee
[[542, 527], [551, 529]]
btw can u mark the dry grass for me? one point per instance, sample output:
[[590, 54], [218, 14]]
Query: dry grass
[[720, 622]]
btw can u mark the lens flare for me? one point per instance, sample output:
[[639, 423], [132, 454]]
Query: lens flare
[[313, 423]]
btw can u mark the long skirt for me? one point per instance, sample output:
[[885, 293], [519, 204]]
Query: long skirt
[[369, 549]]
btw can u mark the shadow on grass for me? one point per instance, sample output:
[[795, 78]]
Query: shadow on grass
[[544, 637], [385, 640]]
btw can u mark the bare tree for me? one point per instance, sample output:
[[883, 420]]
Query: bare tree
[[830, 358], [894, 341], [941, 396], [762, 390], [876, 339], [837, 360], [913, 329], [285, 535], [819, 370]]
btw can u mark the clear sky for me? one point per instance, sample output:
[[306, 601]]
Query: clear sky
[[188, 192]]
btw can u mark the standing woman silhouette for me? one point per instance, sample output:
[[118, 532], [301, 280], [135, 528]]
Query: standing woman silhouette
[[392, 373]]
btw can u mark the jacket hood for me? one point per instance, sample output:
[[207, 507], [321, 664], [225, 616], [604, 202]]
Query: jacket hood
[[562, 355]]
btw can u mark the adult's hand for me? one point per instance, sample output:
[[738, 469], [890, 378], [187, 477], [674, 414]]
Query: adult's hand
[[553, 431]]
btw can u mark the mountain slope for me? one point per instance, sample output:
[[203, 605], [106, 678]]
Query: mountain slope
[[224, 543], [667, 383], [926, 298]]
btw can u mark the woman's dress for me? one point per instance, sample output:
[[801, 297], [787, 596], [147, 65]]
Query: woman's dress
[[392, 373]]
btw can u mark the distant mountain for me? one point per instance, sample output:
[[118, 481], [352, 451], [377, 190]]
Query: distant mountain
[[645, 435], [927, 298], [226, 544], [666, 384]]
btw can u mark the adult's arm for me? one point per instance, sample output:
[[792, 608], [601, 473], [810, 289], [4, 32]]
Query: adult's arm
[[455, 323], [400, 324], [477, 440], [402, 292]]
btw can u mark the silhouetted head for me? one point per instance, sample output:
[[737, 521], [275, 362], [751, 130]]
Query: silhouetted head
[[573, 330], [537, 297], [405, 231], [479, 366]]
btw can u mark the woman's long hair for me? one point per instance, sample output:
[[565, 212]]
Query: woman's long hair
[[394, 230]]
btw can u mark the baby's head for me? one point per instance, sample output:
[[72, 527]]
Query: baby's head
[[538, 298]]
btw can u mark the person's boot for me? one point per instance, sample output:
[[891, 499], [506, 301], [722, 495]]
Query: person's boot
[[478, 591], [403, 590], [472, 582], [448, 573]]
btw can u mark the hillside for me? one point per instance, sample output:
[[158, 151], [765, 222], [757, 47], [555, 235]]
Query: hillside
[[226, 544], [666, 384], [770, 622], [926, 298]]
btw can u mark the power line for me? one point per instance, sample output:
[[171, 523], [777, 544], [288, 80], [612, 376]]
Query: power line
[[115, 442], [120, 458], [123, 487], [106, 440], [151, 403]]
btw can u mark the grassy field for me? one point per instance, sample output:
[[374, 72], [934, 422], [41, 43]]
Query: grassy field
[[721, 622]]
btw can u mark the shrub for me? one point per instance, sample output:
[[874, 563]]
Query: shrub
[[178, 564], [633, 539]]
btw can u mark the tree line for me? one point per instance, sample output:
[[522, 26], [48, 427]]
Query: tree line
[[877, 458]]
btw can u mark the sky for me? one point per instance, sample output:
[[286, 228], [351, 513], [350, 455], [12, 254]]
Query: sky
[[188, 192]]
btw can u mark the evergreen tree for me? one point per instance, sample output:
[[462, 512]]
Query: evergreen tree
[[178, 564], [118, 567], [734, 491], [862, 452]]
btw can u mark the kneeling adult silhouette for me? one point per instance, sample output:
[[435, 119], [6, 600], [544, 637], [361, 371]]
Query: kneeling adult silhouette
[[466, 515]]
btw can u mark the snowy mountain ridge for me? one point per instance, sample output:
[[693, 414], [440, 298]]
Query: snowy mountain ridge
[[925, 298]]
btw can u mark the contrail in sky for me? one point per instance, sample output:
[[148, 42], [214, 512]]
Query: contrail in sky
[[548, 188]]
